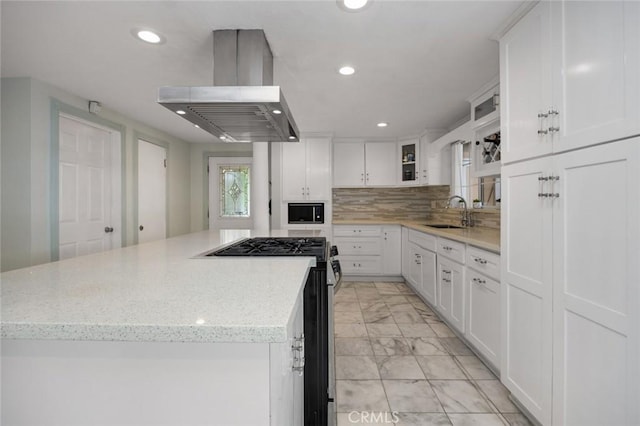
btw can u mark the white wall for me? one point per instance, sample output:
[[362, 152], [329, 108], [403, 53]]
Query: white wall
[[26, 161]]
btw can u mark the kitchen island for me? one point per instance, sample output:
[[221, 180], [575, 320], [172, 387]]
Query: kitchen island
[[154, 334]]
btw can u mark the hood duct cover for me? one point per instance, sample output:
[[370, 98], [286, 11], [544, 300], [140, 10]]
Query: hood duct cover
[[242, 105]]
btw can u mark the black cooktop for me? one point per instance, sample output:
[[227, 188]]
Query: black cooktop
[[276, 246]]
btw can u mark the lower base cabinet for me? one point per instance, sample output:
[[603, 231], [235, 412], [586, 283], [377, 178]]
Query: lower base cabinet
[[483, 322], [450, 292], [369, 249]]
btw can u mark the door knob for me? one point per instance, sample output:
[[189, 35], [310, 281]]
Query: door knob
[[108, 229], [141, 227]]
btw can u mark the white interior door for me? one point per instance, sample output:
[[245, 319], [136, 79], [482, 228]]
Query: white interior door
[[89, 195], [152, 192], [230, 193]]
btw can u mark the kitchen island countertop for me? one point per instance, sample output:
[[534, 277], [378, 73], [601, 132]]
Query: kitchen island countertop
[[157, 292]]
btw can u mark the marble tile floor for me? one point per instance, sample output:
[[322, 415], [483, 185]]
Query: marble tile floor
[[398, 364]]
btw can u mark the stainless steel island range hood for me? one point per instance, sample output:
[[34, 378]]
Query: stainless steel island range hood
[[242, 105]]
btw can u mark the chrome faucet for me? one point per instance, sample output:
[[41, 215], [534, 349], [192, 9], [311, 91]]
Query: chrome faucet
[[465, 217]]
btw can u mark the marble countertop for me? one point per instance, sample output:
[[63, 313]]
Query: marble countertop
[[157, 292], [485, 238]]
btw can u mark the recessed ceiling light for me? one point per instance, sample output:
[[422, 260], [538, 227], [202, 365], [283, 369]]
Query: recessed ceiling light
[[292, 138], [347, 70], [195, 125], [383, 124], [147, 35], [276, 111], [355, 4], [181, 112], [223, 138]]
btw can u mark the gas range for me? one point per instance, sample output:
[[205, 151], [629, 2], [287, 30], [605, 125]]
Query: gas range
[[276, 246]]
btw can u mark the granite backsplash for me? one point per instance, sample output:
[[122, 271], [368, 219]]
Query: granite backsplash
[[404, 203]]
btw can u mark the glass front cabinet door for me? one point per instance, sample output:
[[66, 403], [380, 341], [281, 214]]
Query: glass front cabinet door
[[408, 152]]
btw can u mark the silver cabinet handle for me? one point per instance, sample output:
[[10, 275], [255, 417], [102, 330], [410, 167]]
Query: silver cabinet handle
[[552, 113], [478, 281], [298, 354], [444, 271], [446, 280], [541, 118], [108, 229], [480, 260]]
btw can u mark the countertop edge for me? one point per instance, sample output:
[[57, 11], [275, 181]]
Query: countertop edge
[[144, 333]]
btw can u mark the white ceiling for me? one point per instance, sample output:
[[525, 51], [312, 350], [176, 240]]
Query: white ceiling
[[416, 61]]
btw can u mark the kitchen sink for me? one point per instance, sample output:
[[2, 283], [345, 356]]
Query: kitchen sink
[[443, 226]]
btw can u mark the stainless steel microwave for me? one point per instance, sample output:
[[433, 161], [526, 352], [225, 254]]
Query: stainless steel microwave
[[306, 212]]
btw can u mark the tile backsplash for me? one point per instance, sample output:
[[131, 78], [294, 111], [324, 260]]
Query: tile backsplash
[[404, 203]]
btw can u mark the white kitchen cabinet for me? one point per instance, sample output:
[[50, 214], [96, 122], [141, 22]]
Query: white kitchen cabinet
[[579, 88], [306, 170], [570, 297], [391, 250], [454, 250], [368, 249], [380, 170], [348, 164], [406, 255], [428, 274], [423, 258], [450, 292], [485, 105], [483, 304], [526, 238], [596, 285], [409, 161], [358, 164], [414, 270]]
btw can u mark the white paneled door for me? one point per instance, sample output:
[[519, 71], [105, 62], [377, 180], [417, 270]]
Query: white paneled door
[[152, 192], [89, 194]]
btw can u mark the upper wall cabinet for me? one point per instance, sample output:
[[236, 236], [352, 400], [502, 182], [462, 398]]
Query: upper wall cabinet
[[485, 106], [409, 155], [570, 77], [306, 170], [357, 164]]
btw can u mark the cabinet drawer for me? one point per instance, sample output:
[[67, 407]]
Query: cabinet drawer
[[357, 231], [423, 240], [365, 265], [451, 249], [484, 261], [358, 246]]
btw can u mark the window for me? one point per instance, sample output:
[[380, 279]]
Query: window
[[234, 190], [486, 189]]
